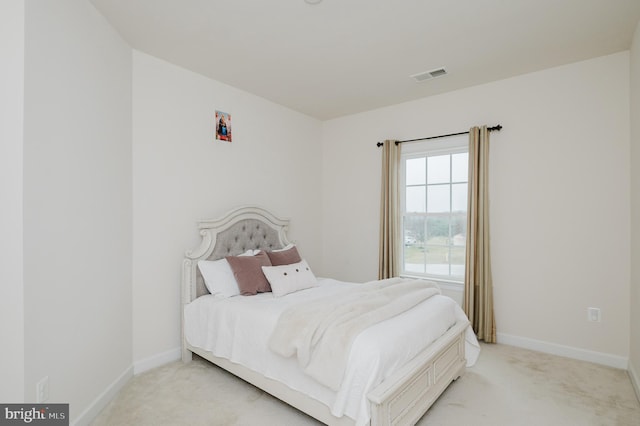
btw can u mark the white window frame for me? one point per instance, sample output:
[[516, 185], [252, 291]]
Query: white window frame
[[450, 145]]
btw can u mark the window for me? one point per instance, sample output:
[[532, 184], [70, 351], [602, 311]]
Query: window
[[434, 209]]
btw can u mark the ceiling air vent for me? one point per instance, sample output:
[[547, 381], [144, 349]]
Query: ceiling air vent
[[428, 75]]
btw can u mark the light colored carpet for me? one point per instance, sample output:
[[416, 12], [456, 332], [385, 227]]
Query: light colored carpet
[[508, 386]]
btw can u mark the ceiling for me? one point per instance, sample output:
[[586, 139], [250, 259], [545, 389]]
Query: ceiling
[[346, 56]]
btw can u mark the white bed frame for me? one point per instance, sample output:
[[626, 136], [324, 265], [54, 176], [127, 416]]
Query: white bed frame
[[402, 399]]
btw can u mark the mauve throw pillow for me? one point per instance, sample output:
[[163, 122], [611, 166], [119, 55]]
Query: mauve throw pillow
[[248, 273], [284, 257]]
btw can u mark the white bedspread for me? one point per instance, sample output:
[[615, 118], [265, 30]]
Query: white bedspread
[[238, 329], [320, 332]]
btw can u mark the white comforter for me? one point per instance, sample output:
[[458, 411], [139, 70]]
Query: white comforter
[[239, 328], [320, 332]]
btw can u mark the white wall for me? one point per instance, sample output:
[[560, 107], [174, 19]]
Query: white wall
[[11, 137], [182, 174], [77, 204], [559, 197], [634, 361]]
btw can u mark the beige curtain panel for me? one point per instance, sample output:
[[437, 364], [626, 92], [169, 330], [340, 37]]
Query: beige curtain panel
[[478, 286], [389, 212]]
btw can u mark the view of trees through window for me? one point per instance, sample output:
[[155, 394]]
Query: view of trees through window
[[435, 214]]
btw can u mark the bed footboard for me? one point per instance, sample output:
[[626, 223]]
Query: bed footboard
[[402, 399], [406, 396]]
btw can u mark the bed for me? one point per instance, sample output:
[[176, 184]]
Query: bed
[[389, 384]]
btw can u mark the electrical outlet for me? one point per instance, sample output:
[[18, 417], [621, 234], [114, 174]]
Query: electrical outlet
[[593, 314], [42, 390]]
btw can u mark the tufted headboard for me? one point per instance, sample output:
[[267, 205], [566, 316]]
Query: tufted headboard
[[239, 230]]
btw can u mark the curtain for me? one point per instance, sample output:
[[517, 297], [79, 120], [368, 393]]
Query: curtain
[[478, 286], [389, 212]]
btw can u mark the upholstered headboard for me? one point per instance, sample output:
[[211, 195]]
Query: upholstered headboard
[[239, 230]]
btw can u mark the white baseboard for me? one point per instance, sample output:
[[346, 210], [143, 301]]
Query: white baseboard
[[88, 415], [156, 360], [92, 411], [635, 379], [601, 358]]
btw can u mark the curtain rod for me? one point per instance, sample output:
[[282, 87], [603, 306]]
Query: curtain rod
[[491, 129]]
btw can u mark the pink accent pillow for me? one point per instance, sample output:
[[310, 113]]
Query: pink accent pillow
[[285, 256], [248, 273]]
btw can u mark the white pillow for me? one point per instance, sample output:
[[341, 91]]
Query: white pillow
[[218, 276], [287, 279], [287, 247]]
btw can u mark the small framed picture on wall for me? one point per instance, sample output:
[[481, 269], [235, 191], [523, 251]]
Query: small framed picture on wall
[[223, 126]]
